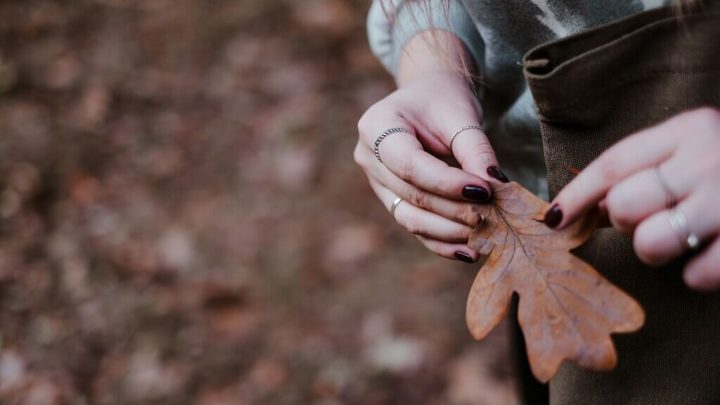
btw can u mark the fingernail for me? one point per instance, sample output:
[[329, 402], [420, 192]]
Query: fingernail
[[462, 256], [497, 174], [476, 193], [553, 216]]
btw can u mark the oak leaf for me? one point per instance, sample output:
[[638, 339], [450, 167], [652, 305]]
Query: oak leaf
[[567, 310]]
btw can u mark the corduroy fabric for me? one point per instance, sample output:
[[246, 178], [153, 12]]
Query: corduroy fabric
[[591, 90]]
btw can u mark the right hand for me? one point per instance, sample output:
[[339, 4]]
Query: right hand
[[421, 169]]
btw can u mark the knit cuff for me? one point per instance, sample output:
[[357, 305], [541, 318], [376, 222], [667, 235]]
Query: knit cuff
[[392, 25]]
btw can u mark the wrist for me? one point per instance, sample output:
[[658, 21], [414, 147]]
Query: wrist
[[434, 51]]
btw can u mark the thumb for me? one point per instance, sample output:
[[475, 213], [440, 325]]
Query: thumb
[[472, 149]]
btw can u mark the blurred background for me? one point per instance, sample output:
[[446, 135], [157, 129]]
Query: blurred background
[[181, 221]]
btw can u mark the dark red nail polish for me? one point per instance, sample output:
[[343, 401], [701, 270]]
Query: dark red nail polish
[[497, 174], [553, 216], [462, 256], [476, 193]]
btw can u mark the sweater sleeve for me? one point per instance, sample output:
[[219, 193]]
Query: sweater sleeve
[[392, 23]]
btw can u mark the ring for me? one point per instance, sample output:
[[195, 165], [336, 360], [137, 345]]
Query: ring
[[678, 223], [385, 135], [394, 205], [670, 198], [461, 130]]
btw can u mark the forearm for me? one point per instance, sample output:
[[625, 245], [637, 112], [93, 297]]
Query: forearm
[[434, 51]]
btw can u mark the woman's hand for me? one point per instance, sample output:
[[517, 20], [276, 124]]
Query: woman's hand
[[420, 167], [663, 185]]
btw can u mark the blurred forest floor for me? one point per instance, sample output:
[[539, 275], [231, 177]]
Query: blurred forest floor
[[181, 221]]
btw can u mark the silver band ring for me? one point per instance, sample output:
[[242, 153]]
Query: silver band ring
[[678, 223], [670, 198], [394, 205], [461, 130], [385, 135]]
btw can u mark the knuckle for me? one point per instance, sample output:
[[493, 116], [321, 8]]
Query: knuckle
[[414, 227], [620, 223], [643, 249], [377, 112], [420, 198], [412, 223], [646, 247], [407, 170], [614, 200], [364, 124], [481, 152], [466, 215], [483, 147], [617, 206], [358, 156], [485, 155]]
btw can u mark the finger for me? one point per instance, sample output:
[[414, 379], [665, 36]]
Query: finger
[[703, 271], [420, 222], [403, 157], [644, 150], [453, 251], [656, 242], [641, 195], [461, 212], [473, 151], [425, 223]]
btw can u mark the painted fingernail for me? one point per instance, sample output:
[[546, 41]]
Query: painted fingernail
[[553, 216], [476, 193], [497, 174], [462, 256]]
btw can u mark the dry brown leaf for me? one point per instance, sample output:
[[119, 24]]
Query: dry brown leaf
[[567, 310]]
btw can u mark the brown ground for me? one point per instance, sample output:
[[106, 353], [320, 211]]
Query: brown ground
[[181, 221]]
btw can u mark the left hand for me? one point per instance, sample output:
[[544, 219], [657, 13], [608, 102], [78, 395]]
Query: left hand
[[639, 179]]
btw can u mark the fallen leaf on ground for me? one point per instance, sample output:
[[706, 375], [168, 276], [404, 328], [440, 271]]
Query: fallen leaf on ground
[[567, 310]]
